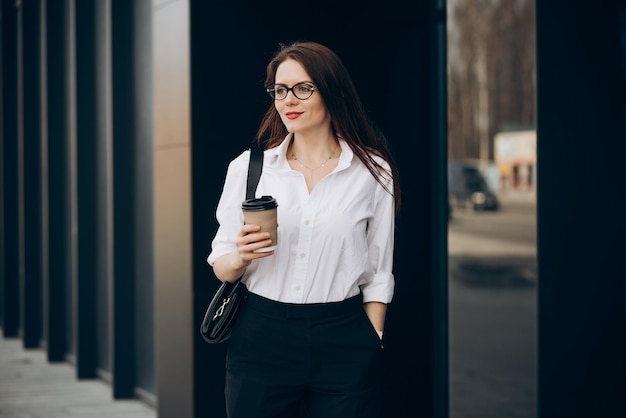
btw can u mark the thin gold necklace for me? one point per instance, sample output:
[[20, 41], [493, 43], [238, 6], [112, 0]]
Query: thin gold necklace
[[330, 157]]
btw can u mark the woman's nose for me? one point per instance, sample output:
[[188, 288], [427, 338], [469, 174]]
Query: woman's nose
[[291, 98]]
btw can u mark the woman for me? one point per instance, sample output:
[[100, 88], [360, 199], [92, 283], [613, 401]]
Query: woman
[[312, 325]]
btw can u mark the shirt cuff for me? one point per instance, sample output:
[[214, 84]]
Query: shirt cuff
[[215, 254], [380, 289]]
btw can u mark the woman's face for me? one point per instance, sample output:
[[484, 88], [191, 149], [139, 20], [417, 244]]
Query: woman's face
[[300, 116]]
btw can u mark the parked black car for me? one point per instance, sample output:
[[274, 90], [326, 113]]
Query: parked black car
[[468, 188]]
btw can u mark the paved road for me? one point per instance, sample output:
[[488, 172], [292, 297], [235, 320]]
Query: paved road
[[493, 316]]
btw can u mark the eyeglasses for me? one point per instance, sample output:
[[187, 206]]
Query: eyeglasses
[[301, 90]]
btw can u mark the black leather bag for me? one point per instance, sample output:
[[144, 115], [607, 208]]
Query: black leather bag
[[222, 312], [227, 301]]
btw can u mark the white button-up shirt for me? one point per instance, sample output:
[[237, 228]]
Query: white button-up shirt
[[333, 243]]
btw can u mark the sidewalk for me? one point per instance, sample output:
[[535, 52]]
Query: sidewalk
[[30, 387]]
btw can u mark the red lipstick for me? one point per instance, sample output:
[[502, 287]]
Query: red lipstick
[[293, 115]]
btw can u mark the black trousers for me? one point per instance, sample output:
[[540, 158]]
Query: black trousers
[[283, 356]]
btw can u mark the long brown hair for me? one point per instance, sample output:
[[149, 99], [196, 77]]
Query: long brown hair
[[348, 117]]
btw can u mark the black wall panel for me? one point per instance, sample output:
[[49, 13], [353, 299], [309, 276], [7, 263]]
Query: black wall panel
[[581, 83], [385, 45]]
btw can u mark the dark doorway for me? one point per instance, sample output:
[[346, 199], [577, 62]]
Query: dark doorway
[[390, 50]]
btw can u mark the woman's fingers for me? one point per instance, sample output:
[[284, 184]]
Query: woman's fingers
[[247, 229], [250, 239]]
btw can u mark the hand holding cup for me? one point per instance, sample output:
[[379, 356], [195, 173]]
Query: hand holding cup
[[262, 212]]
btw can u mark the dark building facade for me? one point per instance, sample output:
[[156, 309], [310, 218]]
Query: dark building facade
[[117, 127]]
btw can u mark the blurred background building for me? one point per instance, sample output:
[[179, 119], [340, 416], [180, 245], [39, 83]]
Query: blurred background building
[[516, 160]]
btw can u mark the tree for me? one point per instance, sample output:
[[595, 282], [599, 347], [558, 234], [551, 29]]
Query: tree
[[491, 73]]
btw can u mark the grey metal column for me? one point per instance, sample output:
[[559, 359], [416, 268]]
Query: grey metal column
[[33, 131], [2, 238], [173, 226], [103, 185], [132, 291], [84, 301], [122, 287], [10, 166], [61, 238], [145, 295]]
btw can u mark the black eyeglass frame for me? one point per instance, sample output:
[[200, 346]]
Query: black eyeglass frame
[[272, 90]]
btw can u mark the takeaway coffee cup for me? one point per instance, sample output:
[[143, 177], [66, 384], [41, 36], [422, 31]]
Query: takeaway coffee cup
[[262, 212]]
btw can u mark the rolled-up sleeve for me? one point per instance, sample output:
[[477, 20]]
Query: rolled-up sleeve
[[380, 240], [228, 213]]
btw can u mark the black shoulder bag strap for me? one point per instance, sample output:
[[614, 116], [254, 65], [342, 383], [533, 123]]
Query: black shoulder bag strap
[[225, 304], [254, 171]]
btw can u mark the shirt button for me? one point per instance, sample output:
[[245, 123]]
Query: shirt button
[[307, 222], [302, 255], [298, 288]]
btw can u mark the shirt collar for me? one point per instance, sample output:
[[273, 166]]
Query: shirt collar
[[278, 155], [345, 159]]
